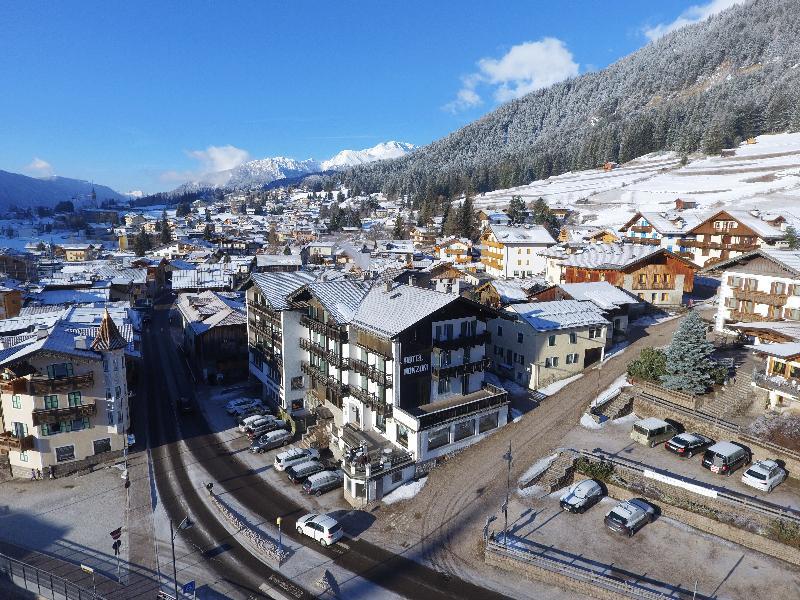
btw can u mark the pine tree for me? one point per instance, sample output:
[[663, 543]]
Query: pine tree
[[166, 232], [467, 223], [516, 210], [689, 366], [287, 251], [142, 242], [792, 239], [399, 230], [208, 232]]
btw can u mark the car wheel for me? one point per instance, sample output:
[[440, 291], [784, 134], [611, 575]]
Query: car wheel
[[299, 529], [323, 543], [318, 493]]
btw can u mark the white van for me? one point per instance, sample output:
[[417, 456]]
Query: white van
[[294, 456], [652, 431]]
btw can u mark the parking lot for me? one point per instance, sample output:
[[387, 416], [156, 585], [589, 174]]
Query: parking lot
[[666, 556], [212, 403], [613, 438]]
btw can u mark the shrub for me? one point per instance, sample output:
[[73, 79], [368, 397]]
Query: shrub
[[650, 366], [600, 470], [785, 532]]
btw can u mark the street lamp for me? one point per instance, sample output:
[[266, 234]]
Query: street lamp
[[508, 457], [185, 524]]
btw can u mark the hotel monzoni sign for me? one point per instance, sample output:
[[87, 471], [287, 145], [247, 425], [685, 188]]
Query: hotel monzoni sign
[[414, 365]]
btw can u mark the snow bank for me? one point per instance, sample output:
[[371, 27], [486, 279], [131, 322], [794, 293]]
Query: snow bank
[[589, 423], [516, 415], [537, 468], [554, 387], [611, 391], [405, 491]]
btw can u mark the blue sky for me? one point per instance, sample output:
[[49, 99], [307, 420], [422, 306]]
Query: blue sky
[[141, 95]]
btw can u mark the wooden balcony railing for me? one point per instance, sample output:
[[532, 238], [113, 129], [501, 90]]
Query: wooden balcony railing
[[629, 239], [778, 383], [332, 384], [448, 371], [321, 328], [379, 377], [642, 228], [266, 313], [39, 385], [760, 297], [331, 357], [66, 413], [747, 317], [9, 441], [654, 285]]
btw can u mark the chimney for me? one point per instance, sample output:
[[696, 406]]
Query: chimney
[[411, 280], [41, 332], [387, 285], [81, 342]]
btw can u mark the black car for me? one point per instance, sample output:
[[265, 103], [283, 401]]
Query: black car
[[688, 444]]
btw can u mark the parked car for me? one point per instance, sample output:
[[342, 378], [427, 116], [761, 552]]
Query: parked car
[[581, 496], [265, 427], [322, 528], [273, 439], [764, 475], [255, 423], [688, 444], [630, 516], [249, 420], [652, 431], [322, 482], [300, 472], [726, 457], [247, 409], [294, 456], [233, 405]]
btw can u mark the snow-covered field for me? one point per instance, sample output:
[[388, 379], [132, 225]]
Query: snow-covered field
[[765, 175]]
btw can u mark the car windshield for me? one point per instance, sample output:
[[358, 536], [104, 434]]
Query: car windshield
[[580, 491], [613, 516], [335, 529], [756, 474], [642, 430]]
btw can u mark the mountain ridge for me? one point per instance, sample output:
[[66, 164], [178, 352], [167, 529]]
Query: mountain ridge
[[25, 192]]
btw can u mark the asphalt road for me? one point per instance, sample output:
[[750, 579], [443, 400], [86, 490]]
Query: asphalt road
[[399, 574]]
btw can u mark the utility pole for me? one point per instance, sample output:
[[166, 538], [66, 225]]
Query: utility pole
[[508, 457], [280, 542], [185, 524]]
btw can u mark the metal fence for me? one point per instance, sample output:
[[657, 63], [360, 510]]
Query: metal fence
[[41, 582]]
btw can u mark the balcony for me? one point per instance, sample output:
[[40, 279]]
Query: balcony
[[735, 247], [778, 383], [324, 329], [365, 396], [436, 413], [448, 371], [381, 455], [9, 441], [739, 316], [67, 413], [39, 385], [654, 285], [628, 239], [380, 377], [329, 356], [267, 355], [479, 339], [642, 228], [336, 387], [265, 312], [760, 297]]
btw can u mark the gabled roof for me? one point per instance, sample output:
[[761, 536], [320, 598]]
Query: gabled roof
[[761, 228], [558, 314], [276, 287], [601, 293], [786, 259], [533, 234], [388, 313], [617, 256], [663, 224], [340, 297], [785, 350]]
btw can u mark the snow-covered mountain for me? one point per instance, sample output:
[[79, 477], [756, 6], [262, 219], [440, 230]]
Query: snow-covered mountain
[[263, 171], [349, 158]]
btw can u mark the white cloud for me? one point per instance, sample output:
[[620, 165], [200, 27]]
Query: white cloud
[[693, 14], [39, 168], [212, 160], [524, 68]]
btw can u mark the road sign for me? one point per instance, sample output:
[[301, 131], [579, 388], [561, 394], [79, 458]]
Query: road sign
[[117, 533], [188, 588]]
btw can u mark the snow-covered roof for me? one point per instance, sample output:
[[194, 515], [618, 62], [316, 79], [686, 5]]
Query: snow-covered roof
[[276, 287], [788, 259], [340, 298], [190, 279], [528, 234], [601, 293], [667, 225], [388, 313], [208, 309], [781, 350], [611, 256], [559, 314]]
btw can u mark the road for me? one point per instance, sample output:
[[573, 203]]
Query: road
[[472, 485], [176, 443]]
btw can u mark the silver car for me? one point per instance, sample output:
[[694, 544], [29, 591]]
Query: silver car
[[581, 496]]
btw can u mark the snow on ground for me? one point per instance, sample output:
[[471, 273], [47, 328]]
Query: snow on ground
[[589, 423], [516, 415], [551, 389], [405, 491], [537, 468], [611, 391], [506, 384], [765, 175], [648, 320], [616, 350]]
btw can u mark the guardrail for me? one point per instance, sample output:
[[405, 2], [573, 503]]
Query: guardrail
[[577, 572], [42, 582], [736, 498]]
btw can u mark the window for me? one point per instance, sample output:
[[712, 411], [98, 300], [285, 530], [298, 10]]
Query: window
[[23, 456], [520, 337], [103, 445], [519, 262], [499, 331], [551, 362], [642, 278], [664, 296], [105, 365], [20, 429], [118, 392], [438, 335], [573, 338], [116, 365], [59, 370], [16, 402], [438, 438], [464, 329], [522, 359], [463, 430], [572, 358], [79, 424], [402, 435], [551, 341], [444, 385], [487, 422], [529, 250], [397, 477], [51, 401], [74, 399], [65, 453]]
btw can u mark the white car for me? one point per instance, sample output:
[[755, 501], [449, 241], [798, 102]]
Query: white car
[[294, 456], [248, 421], [322, 528], [581, 496], [247, 409], [764, 475]]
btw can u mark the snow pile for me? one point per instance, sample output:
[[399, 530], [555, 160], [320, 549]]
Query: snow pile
[[554, 387], [258, 539], [405, 491], [537, 468], [627, 419], [589, 423], [611, 391]]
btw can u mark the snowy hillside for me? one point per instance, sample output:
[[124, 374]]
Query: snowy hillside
[[765, 175], [349, 158], [266, 170]]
